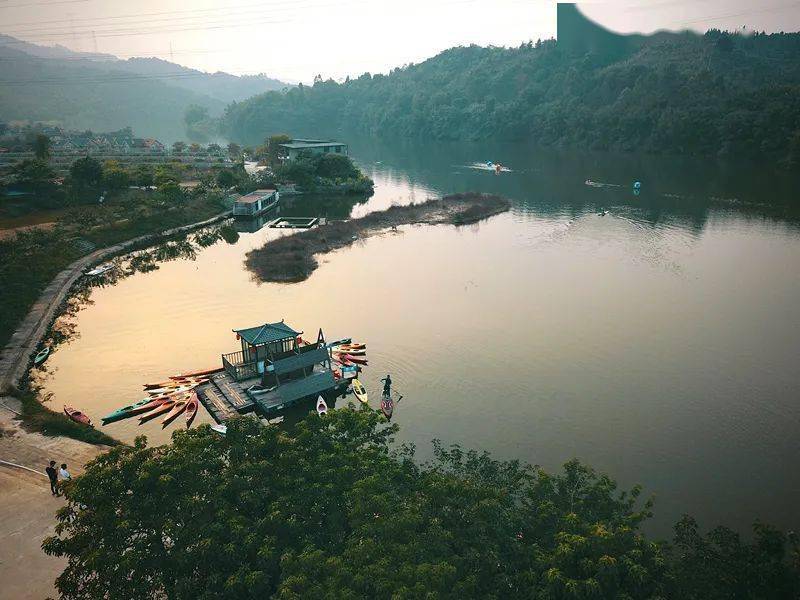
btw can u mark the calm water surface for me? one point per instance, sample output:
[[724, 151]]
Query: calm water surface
[[658, 343]]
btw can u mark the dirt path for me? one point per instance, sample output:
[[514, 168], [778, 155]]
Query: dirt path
[[28, 507]]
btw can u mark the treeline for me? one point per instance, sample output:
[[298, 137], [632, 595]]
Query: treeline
[[712, 94], [331, 509]]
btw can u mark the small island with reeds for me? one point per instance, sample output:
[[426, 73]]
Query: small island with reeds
[[292, 259]]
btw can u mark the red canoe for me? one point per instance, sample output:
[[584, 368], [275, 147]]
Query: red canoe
[[191, 409], [77, 416], [160, 410], [361, 360], [177, 409]]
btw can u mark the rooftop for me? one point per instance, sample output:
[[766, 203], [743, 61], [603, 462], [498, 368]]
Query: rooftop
[[299, 145], [267, 333], [254, 196]]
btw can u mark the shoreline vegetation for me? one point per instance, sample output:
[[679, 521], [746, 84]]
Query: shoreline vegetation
[[291, 259], [333, 508]]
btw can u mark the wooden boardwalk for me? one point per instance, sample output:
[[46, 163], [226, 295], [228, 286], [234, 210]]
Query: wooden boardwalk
[[225, 398]]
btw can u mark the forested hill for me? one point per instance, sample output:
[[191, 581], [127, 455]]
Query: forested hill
[[103, 93], [716, 93]]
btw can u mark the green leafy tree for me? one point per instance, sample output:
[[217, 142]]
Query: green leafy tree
[[234, 151], [329, 510], [166, 173], [115, 177], [41, 146], [143, 175], [225, 178], [171, 191], [86, 171], [33, 171]]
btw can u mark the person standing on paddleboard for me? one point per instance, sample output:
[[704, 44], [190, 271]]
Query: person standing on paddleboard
[[387, 385]]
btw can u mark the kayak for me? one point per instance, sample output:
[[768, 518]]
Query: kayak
[[129, 411], [353, 351], [191, 409], [177, 409], [164, 407], [175, 383], [221, 429], [387, 406], [342, 360], [322, 407], [355, 359], [352, 346], [170, 390], [360, 392], [198, 373], [77, 416], [41, 356]]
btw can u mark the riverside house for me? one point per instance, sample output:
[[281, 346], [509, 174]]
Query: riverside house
[[255, 203], [296, 146]]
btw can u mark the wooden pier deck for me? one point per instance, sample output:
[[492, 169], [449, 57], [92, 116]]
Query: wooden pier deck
[[224, 398]]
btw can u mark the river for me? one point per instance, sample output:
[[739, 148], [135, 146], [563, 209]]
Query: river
[[658, 343]]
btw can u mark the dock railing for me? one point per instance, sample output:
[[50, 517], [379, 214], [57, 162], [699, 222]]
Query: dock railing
[[237, 367]]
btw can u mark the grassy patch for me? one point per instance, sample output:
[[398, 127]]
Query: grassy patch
[[292, 258], [38, 417]]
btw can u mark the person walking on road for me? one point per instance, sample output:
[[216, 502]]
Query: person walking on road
[[52, 474]]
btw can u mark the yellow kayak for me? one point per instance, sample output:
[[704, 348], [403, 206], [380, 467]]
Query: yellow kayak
[[360, 392]]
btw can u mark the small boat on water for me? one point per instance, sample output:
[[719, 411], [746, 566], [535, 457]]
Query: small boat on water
[[170, 390], [322, 407], [159, 410], [342, 360], [349, 347], [360, 392], [176, 383], [129, 411], [100, 270], [177, 408], [191, 409], [361, 360], [353, 351], [220, 429], [77, 416], [200, 373], [41, 356], [387, 406]]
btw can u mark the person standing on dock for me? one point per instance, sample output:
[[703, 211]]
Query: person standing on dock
[[387, 385], [52, 474]]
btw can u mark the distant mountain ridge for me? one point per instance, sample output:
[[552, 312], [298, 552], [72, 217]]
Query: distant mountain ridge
[[102, 92]]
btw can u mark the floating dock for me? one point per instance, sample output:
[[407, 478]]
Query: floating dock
[[293, 222], [274, 370]]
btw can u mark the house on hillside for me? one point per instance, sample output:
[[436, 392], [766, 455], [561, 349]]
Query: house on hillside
[[296, 146]]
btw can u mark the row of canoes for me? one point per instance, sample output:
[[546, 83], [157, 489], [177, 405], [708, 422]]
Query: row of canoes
[[168, 399]]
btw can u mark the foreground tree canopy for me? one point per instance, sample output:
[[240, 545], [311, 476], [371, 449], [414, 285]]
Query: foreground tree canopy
[[329, 510]]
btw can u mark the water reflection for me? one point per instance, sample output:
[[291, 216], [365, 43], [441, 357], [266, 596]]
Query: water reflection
[[657, 342]]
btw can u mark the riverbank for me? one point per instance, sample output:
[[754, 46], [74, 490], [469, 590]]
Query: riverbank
[[292, 259], [16, 355]]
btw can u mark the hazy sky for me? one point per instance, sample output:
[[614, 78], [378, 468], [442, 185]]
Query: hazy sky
[[296, 39]]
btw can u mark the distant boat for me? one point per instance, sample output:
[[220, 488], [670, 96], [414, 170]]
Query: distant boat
[[41, 356], [77, 416], [322, 407], [100, 270]]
